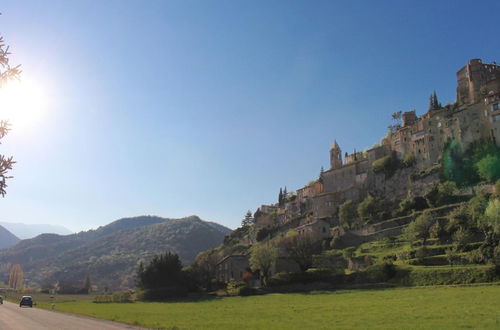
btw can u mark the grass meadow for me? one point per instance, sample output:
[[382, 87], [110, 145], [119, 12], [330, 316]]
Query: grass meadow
[[440, 307]]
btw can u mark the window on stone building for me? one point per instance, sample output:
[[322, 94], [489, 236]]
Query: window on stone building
[[495, 118], [496, 106]]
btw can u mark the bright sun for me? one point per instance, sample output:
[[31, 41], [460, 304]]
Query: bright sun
[[22, 102]]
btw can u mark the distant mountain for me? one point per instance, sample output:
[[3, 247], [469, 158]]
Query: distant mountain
[[7, 239], [24, 231], [219, 227], [111, 254]]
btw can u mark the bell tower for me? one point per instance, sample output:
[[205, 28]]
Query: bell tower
[[335, 156]]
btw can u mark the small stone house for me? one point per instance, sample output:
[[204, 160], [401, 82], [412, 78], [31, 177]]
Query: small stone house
[[320, 229], [232, 267]]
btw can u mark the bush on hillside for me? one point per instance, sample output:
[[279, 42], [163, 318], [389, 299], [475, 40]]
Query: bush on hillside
[[367, 210], [420, 228], [407, 206], [479, 161], [348, 215], [488, 168], [441, 194], [387, 165], [408, 160], [449, 276]]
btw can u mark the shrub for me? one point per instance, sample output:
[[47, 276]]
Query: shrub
[[116, 297], [348, 215], [233, 287], [429, 276], [405, 254], [263, 234], [441, 194], [162, 293], [488, 168], [310, 276], [421, 253], [367, 209], [374, 274], [461, 238], [406, 206], [247, 291], [387, 165], [408, 160], [420, 228]]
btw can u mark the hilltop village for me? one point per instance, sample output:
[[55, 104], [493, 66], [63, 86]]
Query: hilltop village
[[417, 142], [405, 165]]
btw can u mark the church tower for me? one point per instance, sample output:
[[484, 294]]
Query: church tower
[[335, 156]]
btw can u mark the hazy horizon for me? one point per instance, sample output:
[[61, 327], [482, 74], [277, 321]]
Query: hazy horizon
[[175, 108]]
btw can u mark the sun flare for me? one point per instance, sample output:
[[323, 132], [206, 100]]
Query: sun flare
[[22, 102]]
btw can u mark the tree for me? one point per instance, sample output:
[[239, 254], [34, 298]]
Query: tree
[[248, 220], [367, 209], [16, 277], [492, 215], [433, 102], [7, 73], [441, 194], [86, 284], [164, 270], [458, 219], [488, 168], [262, 258], [205, 264], [420, 228], [301, 248], [348, 214], [280, 197]]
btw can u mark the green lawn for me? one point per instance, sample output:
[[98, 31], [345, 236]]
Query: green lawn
[[475, 307]]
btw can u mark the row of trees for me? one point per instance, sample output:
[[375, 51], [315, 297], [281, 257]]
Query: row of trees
[[371, 209], [478, 217]]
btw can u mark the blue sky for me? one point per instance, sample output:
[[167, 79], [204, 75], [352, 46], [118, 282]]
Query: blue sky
[[175, 108]]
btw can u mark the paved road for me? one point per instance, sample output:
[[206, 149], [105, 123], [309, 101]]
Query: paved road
[[12, 317]]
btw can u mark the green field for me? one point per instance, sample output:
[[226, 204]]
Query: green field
[[475, 307]]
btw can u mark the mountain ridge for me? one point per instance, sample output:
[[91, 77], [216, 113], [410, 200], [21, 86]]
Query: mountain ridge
[[25, 230], [7, 238], [111, 253]]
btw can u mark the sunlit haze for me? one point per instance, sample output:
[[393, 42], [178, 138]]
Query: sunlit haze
[[174, 108], [23, 103]]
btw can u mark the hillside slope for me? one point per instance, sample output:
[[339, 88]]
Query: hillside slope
[[110, 254], [7, 239], [25, 231]]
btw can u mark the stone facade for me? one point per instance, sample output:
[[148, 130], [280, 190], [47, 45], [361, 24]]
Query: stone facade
[[319, 229], [475, 116], [232, 267]]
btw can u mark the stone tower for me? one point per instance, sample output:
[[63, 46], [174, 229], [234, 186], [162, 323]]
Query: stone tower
[[476, 80], [335, 156]]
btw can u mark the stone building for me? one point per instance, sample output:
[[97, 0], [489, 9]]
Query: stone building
[[476, 80], [232, 267], [318, 228], [474, 117]]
